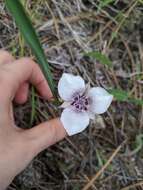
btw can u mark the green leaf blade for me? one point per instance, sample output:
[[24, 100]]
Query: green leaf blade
[[24, 24], [124, 96], [103, 59], [120, 95]]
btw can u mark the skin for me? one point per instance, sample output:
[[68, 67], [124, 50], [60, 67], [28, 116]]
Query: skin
[[17, 146]]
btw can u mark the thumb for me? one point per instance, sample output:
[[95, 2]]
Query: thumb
[[46, 134]]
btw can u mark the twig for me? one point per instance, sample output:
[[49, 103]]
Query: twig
[[70, 19], [88, 185], [132, 6]]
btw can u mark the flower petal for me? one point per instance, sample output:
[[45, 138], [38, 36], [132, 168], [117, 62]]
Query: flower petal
[[100, 100], [74, 122], [70, 84]]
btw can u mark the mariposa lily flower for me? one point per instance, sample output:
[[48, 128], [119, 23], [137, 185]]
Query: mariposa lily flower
[[81, 103]]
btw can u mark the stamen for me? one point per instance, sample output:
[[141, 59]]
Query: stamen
[[80, 103]]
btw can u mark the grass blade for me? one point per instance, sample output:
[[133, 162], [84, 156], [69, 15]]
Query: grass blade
[[104, 3], [119, 94], [24, 24]]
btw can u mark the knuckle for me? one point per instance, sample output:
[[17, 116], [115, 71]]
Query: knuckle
[[40, 82], [26, 60], [6, 54], [36, 66]]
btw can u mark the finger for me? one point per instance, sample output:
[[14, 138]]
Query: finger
[[25, 70], [46, 134], [22, 93], [5, 57]]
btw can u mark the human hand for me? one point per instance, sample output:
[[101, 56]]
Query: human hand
[[17, 146]]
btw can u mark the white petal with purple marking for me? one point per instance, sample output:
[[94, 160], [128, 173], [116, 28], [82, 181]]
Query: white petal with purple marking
[[100, 100], [74, 122], [68, 85]]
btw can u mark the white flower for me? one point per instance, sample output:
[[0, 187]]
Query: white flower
[[81, 103]]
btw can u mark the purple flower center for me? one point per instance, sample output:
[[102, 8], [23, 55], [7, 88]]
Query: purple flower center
[[80, 103]]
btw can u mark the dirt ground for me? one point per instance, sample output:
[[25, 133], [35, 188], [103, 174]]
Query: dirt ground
[[108, 155]]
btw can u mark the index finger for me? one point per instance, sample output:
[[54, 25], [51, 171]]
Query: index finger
[[25, 70]]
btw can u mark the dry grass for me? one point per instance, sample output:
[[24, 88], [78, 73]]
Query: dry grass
[[67, 29]]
